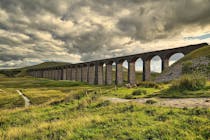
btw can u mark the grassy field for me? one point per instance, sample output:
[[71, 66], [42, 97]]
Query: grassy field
[[9, 99], [74, 110]]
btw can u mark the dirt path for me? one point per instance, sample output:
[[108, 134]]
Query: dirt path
[[27, 101], [179, 103]]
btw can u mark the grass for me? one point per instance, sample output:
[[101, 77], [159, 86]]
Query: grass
[[28, 82], [204, 52], [91, 118], [171, 93], [44, 95], [73, 110], [9, 99]]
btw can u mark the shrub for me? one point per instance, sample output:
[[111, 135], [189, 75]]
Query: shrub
[[103, 104], [129, 96], [151, 101], [148, 84], [187, 67], [162, 118], [189, 82], [139, 92], [150, 112]]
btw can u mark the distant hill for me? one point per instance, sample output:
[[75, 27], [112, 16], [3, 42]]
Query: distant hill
[[197, 61], [46, 65], [21, 72]]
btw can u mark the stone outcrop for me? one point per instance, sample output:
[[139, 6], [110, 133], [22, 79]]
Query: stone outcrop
[[199, 65]]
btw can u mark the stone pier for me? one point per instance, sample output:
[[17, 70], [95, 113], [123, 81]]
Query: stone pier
[[131, 72], [119, 73], [108, 74]]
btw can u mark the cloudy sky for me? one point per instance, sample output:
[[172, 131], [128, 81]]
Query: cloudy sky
[[35, 31]]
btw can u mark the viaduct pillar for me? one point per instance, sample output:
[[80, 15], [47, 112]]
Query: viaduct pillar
[[73, 73], [78, 75], [91, 74], [146, 69], [131, 72], [56, 74], [108, 74], [165, 63], [50, 74], [84, 73], [64, 73], [99, 79], [68, 73], [119, 73]]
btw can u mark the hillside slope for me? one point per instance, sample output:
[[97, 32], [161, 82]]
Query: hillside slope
[[21, 72], [197, 61]]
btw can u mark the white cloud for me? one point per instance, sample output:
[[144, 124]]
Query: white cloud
[[74, 31]]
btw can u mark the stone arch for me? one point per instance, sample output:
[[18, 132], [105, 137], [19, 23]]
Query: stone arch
[[155, 64], [175, 57]]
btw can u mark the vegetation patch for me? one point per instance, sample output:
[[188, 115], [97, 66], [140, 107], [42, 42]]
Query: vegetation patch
[[189, 82], [148, 85], [139, 92], [151, 101]]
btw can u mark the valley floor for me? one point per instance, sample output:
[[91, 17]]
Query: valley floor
[[73, 110]]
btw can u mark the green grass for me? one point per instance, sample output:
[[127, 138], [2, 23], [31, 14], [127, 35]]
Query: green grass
[[204, 52], [9, 99], [123, 92], [28, 82], [90, 118], [44, 95], [73, 110], [171, 93]]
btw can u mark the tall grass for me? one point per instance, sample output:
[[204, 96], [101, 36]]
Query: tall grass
[[189, 82]]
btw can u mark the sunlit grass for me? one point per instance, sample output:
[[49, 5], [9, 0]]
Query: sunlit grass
[[96, 120], [9, 98], [78, 112]]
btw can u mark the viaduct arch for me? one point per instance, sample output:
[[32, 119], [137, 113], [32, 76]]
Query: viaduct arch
[[93, 72]]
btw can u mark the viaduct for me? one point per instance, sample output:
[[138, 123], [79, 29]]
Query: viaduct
[[93, 72]]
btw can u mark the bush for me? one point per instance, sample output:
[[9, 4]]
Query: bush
[[189, 82], [148, 84], [187, 67], [129, 96], [151, 101], [103, 104], [139, 92]]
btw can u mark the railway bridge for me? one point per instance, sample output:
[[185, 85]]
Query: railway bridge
[[93, 72]]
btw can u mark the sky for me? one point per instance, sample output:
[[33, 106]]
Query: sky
[[36, 31]]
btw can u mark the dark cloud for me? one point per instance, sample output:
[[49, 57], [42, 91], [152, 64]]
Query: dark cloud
[[82, 30], [164, 19]]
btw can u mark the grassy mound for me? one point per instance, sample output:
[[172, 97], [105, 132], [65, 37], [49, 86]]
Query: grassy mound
[[202, 52], [189, 82]]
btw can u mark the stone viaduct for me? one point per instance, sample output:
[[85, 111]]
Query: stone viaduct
[[93, 72]]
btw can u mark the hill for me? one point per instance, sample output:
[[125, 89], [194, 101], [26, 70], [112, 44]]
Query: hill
[[20, 72], [197, 62]]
